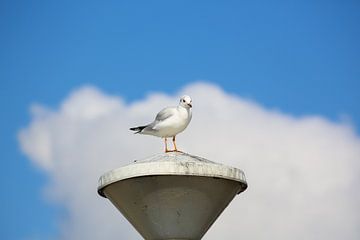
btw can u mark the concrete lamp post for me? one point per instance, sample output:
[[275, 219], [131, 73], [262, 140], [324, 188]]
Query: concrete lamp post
[[172, 195]]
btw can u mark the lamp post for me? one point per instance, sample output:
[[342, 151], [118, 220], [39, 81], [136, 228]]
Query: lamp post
[[172, 195]]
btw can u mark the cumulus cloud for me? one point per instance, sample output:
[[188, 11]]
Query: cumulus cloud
[[303, 173]]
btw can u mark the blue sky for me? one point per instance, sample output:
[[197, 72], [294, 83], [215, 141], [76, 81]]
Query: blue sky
[[300, 58]]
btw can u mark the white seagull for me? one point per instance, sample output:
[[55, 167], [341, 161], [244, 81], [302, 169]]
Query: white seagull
[[169, 122]]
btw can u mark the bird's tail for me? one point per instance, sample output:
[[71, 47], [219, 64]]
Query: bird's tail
[[138, 129]]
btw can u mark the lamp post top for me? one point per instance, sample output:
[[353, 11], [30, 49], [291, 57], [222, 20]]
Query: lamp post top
[[172, 163]]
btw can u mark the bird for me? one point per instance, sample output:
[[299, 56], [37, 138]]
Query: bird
[[169, 122]]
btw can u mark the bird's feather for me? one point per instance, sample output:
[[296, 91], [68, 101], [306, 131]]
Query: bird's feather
[[165, 113], [138, 129]]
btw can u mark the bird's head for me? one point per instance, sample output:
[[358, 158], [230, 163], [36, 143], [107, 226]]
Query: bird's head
[[185, 101]]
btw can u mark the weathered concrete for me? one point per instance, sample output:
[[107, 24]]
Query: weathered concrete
[[172, 195]]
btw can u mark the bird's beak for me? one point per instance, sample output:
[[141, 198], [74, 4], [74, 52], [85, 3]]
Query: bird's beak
[[189, 104]]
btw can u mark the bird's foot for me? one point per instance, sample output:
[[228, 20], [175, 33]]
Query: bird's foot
[[175, 150]]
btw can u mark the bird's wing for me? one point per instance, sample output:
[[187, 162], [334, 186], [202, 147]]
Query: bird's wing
[[165, 113]]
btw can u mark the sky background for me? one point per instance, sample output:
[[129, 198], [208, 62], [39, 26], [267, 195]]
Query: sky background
[[296, 58]]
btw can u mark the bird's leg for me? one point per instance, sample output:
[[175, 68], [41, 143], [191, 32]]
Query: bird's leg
[[174, 142], [166, 148]]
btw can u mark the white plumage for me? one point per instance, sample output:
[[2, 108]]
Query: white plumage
[[169, 122]]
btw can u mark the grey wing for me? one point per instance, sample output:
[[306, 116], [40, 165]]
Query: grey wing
[[165, 113]]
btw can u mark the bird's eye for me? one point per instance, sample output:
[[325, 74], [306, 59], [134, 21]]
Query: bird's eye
[[183, 100]]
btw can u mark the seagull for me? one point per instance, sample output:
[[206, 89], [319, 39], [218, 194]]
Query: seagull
[[169, 122]]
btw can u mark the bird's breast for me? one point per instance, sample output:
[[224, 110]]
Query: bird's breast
[[174, 125]]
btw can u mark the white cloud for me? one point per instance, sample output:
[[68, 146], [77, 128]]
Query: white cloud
[[303, 173]]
